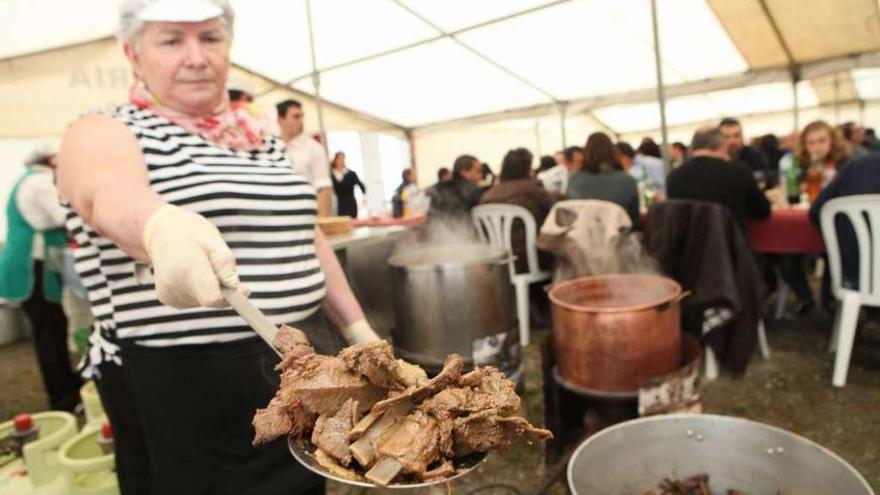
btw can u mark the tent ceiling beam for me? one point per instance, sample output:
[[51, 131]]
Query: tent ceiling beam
[[854, 101], [478, 53], [661, 90], [775, 26], [808, 70], [442, 35], [591, 115], [277, 86]]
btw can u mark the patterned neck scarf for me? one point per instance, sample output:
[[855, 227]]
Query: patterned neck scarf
[[227, 125]]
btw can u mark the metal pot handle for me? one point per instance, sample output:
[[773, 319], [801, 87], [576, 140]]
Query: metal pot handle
[[677, 299]]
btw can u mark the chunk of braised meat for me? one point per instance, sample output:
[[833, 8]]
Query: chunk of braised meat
[[487, 430], [331, 432]]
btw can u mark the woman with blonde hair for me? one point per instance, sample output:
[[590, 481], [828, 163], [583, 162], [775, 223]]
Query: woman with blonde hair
[[821, 151], [179, 181]]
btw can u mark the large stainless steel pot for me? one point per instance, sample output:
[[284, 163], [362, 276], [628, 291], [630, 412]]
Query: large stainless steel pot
[[611, 332], [752, 457], [454, 299]]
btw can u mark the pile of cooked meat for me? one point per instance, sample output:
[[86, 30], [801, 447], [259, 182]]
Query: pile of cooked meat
[[695, 485], [367, 412]]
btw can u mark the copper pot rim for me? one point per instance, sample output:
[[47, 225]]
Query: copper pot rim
[[675, 296]]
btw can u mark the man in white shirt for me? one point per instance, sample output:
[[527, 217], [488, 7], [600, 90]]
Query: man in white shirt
[[556, 179], [308, 157]]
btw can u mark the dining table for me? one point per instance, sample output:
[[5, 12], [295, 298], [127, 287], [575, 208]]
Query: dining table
[[787, 231]]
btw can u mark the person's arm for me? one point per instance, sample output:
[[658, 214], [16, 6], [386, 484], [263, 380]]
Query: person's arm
[[758, 161], [757, 205], [340, 304], [572, 189], [320, 171], [672, 183], [633, 205], [660, 181], [474, 196], [547, 199], [325, 202], [359, 183], [829, 192], [102, 174]]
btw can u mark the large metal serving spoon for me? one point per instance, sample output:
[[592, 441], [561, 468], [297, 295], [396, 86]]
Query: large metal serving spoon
[[304, 452]]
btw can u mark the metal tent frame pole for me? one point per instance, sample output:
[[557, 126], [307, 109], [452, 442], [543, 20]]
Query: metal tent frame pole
[[661, 91], [795, 109], [836, 99], [316, 78], [538, 150], [562, 110]]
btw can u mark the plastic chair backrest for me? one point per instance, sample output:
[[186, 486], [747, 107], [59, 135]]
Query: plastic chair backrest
[[863, 213], [494, 223]]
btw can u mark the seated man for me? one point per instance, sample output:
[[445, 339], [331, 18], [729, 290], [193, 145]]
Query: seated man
[[455, 198], [518, 187], [555, 179], [648, 167], [860, 176], [739, 152], [709, 176]]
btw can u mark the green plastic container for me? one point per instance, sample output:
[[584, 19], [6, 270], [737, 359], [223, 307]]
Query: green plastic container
[[87, 469], [40, 471]]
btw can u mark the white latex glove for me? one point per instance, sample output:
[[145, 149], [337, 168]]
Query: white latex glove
[[190, 259], [358, 332]]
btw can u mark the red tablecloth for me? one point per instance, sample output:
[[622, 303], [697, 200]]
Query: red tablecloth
[[410, 221], [787, 231]]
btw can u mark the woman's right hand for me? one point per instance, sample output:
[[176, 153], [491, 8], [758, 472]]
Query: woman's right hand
[[190, 259]]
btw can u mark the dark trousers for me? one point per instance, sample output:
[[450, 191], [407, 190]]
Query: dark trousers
[[50, 342], [793, 272], [181, 420]]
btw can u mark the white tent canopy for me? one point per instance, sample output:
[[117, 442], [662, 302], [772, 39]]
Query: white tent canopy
[[428, 66], [417, 62]]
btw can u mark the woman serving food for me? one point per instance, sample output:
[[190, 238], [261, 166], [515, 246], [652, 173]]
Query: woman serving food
[[178, 181]]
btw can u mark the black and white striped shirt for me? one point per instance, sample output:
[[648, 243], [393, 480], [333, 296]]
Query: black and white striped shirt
[[265, 213]]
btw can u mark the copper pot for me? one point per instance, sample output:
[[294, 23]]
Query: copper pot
[[611, 332]]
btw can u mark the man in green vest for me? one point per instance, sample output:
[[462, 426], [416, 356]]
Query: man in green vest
[[30, 274]]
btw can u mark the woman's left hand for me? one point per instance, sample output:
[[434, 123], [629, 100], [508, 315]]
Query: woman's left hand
[[358, 332]]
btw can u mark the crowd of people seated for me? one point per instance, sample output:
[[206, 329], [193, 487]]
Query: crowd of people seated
[[720, 166]]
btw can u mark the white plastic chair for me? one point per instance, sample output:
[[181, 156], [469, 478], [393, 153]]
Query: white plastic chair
[[494, 222], [863, 213]]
